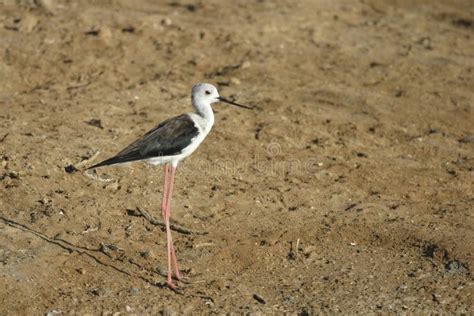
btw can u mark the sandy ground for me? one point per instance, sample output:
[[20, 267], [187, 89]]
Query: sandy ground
[[349, 188]]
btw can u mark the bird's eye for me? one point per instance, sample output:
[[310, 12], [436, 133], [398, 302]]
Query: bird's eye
[[208, 92]]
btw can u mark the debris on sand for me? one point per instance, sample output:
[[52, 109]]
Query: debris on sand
[[70, 169], [259, 299], [76, 167], [95, 122]]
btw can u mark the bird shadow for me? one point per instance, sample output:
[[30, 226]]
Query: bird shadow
[[101, 255]]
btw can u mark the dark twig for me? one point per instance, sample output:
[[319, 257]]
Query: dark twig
[[59, 242], [3, 138], [154, 221]]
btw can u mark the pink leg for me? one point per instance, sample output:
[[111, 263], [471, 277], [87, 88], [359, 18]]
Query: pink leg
[[164, 202], [168, 209], [166, 212]]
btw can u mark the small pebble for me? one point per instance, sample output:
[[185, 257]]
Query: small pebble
[[235, 81], [70, 169], [128, 29], [148, 254], [245, 64], [114, 186], [95, 122]]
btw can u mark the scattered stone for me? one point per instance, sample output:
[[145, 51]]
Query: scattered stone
[[235, 81], [245, 64], [54, 312], [113, 186], [10, 175], [425, 42], [166, 22], [191, 7], [455, 266], [70, 169], [148, 254], [99, 291], [92, 33], [95, 122], [399, 93], [452, 172], [4, 159], [128, 29]]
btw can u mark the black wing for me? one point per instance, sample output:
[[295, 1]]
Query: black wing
[[168, 138]]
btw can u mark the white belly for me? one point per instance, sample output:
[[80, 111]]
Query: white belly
[[204, 128]]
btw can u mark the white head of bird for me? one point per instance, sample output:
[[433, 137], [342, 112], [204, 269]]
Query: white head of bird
[[203, 95]]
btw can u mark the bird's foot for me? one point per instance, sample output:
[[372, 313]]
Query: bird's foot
[[171, 285]]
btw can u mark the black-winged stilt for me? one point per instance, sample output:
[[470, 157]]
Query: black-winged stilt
[[167, 144]]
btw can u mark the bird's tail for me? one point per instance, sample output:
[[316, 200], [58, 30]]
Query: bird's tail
[[118, 159]]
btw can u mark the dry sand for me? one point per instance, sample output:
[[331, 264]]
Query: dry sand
[[349, 189]]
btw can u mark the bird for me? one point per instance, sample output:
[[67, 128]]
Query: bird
[[167, 144]]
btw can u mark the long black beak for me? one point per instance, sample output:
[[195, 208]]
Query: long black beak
[[233, 103]]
